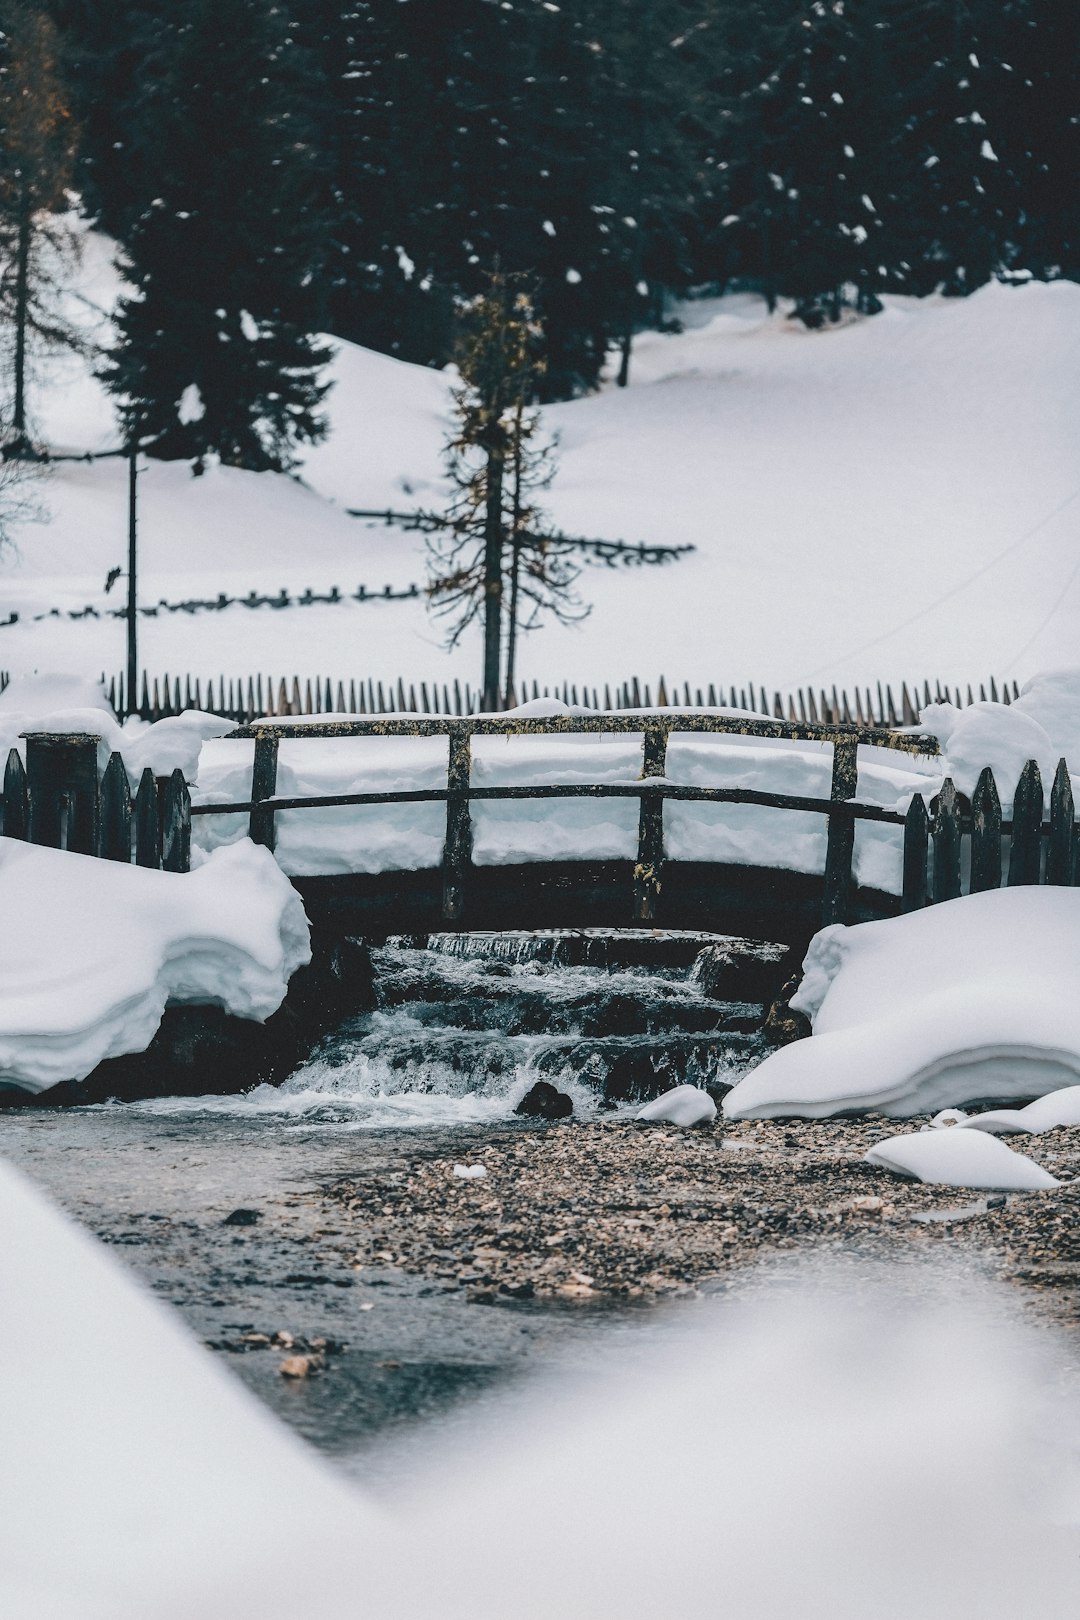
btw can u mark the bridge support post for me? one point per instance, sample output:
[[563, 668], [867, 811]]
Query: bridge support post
[[841, 847], [650, 858], [263, 786], [457, 851]]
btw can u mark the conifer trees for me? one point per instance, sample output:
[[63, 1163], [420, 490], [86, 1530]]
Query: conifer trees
[[37, 144], [214, 354]]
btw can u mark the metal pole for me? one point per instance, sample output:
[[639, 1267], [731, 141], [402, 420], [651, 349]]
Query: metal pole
[[132, 693]]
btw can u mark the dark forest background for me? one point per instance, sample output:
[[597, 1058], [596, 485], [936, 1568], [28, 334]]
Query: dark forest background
[[277, 168]]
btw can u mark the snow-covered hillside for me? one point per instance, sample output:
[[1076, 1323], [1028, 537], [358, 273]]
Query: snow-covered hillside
[[896, 498]]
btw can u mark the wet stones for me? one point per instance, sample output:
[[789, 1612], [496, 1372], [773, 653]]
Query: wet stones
[[741, 969], [545, 1101]]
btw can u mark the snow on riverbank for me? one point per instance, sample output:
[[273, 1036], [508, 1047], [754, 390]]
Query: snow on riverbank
[[91, 951], [870, 476], [970, 1000]]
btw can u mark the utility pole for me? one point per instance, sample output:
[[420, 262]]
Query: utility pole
[[131, 690], [22, 299]]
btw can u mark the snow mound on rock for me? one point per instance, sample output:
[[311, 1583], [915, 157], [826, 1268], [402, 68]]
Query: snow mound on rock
[[92, 951], [682, 1105], [969, 1001], [1047, 1113], [960, 1159]]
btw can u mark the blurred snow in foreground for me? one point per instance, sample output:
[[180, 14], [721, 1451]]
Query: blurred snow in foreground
[[843, 1443]]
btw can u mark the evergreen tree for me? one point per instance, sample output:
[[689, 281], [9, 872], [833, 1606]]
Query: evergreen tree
[[37, 144], [498, 462], [214, 353]]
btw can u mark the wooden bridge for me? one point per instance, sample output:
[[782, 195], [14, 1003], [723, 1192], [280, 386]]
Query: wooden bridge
[[60, 799]]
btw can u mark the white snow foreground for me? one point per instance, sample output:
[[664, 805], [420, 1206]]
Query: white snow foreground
[[138, 1481], [92, 951], [973, 1000], [1047, 1113], [955, 1158]]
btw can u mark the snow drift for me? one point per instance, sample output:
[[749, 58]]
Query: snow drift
[[971, 1000], [91, 951], [953, 1158]]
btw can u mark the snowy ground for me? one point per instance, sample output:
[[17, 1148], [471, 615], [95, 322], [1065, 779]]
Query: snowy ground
[[894, 499]]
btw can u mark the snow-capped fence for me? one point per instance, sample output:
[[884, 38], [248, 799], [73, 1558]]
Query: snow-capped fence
[[245, 699], [951, 846]]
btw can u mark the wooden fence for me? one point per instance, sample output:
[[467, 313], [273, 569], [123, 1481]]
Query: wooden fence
[[60, 799], [245, 699]]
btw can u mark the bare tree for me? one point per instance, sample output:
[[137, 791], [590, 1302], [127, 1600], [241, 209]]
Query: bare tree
[[499, 460]]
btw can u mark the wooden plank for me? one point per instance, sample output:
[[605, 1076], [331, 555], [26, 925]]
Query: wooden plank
[[176, 825], [1025, 848], [457, 849], [115, 838], [147, 821], [1060, 850], [62, 773], [946, 834], [16, 801], [648, 870], [502, 725], [916, 837], [985, 834], [263, 785], [841, 845]]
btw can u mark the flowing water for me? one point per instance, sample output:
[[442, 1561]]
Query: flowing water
[[464, 1025]]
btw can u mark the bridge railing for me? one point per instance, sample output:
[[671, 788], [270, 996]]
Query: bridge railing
[[651, 790]]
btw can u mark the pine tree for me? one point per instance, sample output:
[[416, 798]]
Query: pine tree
[[37, 144], [214, 353], [498, 461]]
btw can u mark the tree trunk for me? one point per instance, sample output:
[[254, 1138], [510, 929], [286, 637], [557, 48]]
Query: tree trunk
[[22, 299], [624, 361], [493, 587]]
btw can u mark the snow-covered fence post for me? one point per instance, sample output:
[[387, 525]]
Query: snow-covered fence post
[[457, 850], [115, 844], [841, 846], [176, 825], [263, 786], [650, 856], [1060, 856], [16, 803], [147, 821], [947, 844], [985, 834], [916, 836], [61, 770], [1026, 846]]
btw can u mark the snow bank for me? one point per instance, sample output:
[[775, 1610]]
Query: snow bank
[[66, 703], [955, 1158], [682, 1105], [91, 951], [972, 1000], [1047, 1113], [138, 1479]]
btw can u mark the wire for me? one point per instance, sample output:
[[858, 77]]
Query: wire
[[1034, 638], [954, 590]]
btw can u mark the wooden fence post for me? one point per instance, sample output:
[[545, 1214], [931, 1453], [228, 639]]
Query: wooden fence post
[[115, 842], [841, 846], [261, 829], [457, 850], [1026, 846], [985, 834], [650, 857], [147, 822], [946, 833], [16, 803], [1059, 854], [63, 767], [176, 825], [916, 835]]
